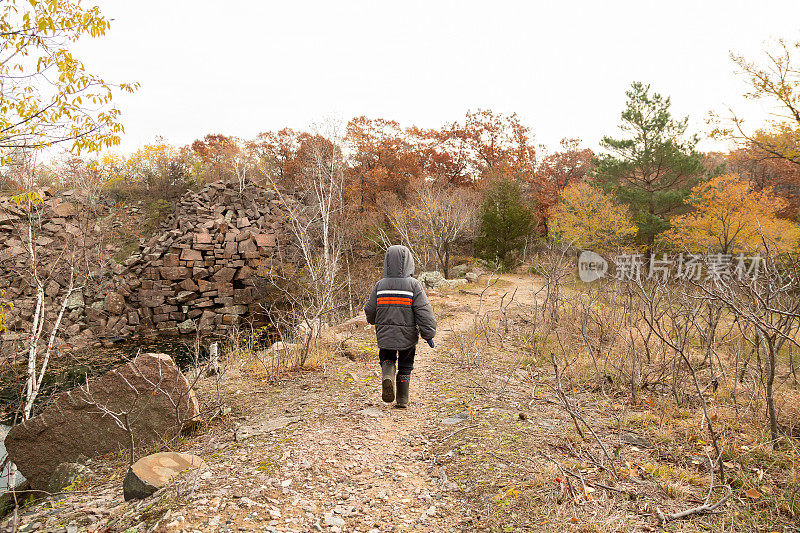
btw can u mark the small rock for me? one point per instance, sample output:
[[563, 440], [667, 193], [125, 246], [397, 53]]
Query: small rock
[[75, 300], [456, 419], [459, 271], [372, 411], [334, 521], [187, 326], [152, 472], [114, 303]]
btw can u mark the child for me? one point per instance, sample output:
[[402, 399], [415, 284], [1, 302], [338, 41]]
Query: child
[[399, 307]]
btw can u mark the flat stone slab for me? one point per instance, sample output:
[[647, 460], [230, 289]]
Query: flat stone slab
[[456, 419], [155, 471], [372, 411], [264, 427]]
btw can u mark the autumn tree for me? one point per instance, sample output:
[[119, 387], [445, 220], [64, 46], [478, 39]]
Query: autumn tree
[[47, 97], [217, 152], [382, 160], [556, 171], [590, 219], [444, 155], [318, 229], [277, 152], [729, 217], [765, 171], [569, 165], [653, 166], [775, 81], [506, 221], [481, 147], [499, 143]]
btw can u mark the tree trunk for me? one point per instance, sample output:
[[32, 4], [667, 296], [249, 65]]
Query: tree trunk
[[773, 418]]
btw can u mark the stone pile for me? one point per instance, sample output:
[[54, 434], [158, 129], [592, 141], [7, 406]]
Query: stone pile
[[67, 234], [199, 273]]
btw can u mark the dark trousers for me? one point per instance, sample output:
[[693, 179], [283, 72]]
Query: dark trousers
[[404, 358]]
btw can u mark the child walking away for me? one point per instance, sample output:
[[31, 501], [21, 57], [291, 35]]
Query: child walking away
[[401, 312]]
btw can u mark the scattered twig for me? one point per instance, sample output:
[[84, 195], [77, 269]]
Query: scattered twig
[[706, 508]]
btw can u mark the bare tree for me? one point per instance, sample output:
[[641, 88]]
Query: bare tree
[[244, 165], [768, 302], [315, 217], [436, 218], [38, 356], [37, 352]]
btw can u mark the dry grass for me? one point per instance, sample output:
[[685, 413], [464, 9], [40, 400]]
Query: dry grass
[[514, 459]]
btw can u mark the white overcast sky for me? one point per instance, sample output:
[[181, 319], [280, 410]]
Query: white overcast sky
[[238, 68]]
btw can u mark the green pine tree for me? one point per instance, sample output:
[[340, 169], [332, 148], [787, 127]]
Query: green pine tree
[[506, 219], [653, 167]]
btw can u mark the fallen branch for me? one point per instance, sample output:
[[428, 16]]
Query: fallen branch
[[706, 508]]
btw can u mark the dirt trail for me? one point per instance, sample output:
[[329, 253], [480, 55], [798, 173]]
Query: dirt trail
[[318, 451], [350, 462]]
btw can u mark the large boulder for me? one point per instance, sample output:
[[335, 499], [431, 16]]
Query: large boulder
[[150, 389], [155, 471], [459, 271]]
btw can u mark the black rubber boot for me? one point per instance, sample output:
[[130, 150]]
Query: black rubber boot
[[403, 381], [387, 381]]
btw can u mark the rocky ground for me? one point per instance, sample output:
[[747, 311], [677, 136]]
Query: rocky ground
[[484, 446], [318, 451]]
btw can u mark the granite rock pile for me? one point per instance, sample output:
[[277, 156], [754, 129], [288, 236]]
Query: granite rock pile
[[199, 273], [68, 244]]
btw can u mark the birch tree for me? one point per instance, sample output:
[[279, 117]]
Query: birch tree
[[315, 217]]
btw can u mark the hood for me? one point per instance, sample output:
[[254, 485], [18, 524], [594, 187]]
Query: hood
[[398, 262]]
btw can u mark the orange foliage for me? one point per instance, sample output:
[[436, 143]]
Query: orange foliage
[[559, 170], [766, 171], [729, 216], [216, 152], [383, 158]]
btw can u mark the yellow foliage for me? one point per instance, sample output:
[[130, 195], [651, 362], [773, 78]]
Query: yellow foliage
[[783, 140], [589, 219], [30, 198], [730, 217], [140, 167], [3, 308], [47, 96]]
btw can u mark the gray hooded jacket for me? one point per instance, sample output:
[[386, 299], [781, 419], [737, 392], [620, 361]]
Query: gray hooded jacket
[[398, 305]]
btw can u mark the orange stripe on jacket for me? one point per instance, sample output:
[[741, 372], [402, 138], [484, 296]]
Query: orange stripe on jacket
[[394, 300]]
